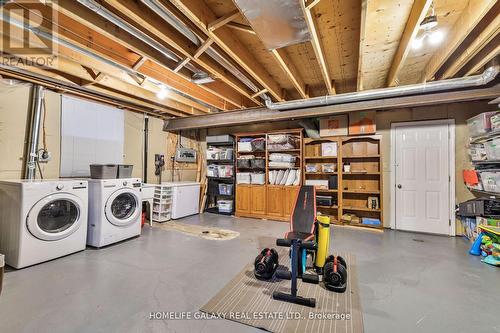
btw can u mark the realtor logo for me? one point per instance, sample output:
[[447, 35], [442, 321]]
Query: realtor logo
[[27, 32]]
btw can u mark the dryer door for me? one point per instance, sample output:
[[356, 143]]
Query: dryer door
[[55, 217], [123, 207]]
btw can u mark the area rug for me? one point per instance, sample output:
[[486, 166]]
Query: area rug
[[248, 301], [206, 232]]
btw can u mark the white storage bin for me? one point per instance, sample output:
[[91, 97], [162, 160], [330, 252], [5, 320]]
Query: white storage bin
[[278, 157], [492, 149], [311, 168], [225, 171], [480, 124], [225, 206], [243, 178], [226, 154], [491, 181], [162, 217], [258, 178], [495, 122], [244, 147], [477, 152], [213, 170], [225, 189], [213, 153]]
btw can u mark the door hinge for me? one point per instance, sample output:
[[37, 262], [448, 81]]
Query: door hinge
[[449, 222]]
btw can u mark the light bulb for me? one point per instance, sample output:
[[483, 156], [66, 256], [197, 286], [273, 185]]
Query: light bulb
[[162, 94], [436, 37], [417, 43]]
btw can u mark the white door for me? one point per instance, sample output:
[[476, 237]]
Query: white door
[[422, 169]]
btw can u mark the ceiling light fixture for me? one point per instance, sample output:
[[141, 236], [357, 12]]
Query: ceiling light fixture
[[162, 93], [428, 25]]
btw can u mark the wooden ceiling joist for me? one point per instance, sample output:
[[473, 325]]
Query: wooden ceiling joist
[[203, 47], [156, 64], [417, 14], [291, 71], [201, 15], [149, 23], [181, 64], [223, 20], [487, 54], [362, 37], [318, 50], [240, 27], [480, 41], [468, 19], [139, 63]]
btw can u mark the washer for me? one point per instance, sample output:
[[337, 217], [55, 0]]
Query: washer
[[114, 210], [42, 220]]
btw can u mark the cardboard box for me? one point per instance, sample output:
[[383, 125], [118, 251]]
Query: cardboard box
[[361, 123], [333, 126]]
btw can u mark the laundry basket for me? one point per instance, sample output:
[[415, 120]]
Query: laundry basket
[[103, 171], [124, 171], [2, 264]]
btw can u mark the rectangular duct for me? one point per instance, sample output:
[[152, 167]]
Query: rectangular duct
[[278, 23]]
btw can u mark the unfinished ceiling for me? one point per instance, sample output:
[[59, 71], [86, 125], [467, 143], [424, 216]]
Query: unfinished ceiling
[[187, 57]]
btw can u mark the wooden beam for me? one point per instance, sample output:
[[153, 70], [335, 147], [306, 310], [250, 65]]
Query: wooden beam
[[290, 70], [258, 93], [470, 16], [417, 14], [181, 64], [487, 54], [260, 115], [203, 47], [201, 15], [240, 27], [362, 37], [479, 42], [311, 3], [149, 23], [139, 63], [223, 20], [75, 16], [318, 51]]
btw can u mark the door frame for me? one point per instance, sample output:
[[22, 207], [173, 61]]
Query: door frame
[[451, 152]]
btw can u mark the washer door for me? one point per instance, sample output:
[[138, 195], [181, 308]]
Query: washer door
[[122, 208], [55, 217]]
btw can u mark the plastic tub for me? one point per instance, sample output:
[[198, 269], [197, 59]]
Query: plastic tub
[[480, 124], [477, 152], [258, 178], [125, 171], [491, 181], [258, 163], [243, 163], [225, 171], [243, 178], [225, 206], [213, 153], [492, 149], [226, 154], [244, 147], [225, 189], [103, 171], [258, 144], [213, 170]]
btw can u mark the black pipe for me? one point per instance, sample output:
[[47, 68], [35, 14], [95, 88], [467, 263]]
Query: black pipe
[[146, 143]]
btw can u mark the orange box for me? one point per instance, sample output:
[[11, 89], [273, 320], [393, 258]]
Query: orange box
[[362, 123]]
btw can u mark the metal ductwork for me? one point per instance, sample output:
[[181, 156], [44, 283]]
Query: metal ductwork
[[414, 89], [34, 132], [171, 19]]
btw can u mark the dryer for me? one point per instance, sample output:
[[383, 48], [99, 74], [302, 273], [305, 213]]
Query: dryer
[[42, 220], [115, 209]]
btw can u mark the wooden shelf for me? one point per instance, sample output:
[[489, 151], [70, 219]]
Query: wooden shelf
[[361, 209], [284, 151], [321, 173], [329, 207], [361, 191], [320, 157], [360, 173], [326, 190], [361, 156]]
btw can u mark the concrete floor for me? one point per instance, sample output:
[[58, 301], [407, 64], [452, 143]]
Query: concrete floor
[[409, 282]]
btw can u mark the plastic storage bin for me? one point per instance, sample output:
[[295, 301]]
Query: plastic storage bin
[[225, 171], [258, 178], [477, 152], [125, 171], [103, 171], [245, 146], [225, 206], [226, 154], [258, 163], [243, 178], [243, 163], [278, 157], [213, 153], [491, 181], [492, 149], [259, 144], [480, 124], [226, 189], [213, 170]]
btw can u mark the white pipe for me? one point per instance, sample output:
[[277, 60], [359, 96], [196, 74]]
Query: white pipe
[[34, 132], [414, 89]]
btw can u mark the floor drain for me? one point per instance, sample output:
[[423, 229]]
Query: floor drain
[[418, 240]]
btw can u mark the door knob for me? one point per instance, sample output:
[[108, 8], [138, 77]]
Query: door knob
[[399, 186]]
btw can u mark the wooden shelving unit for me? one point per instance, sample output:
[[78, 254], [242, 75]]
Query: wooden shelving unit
[[273, 202], [364, 180]]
